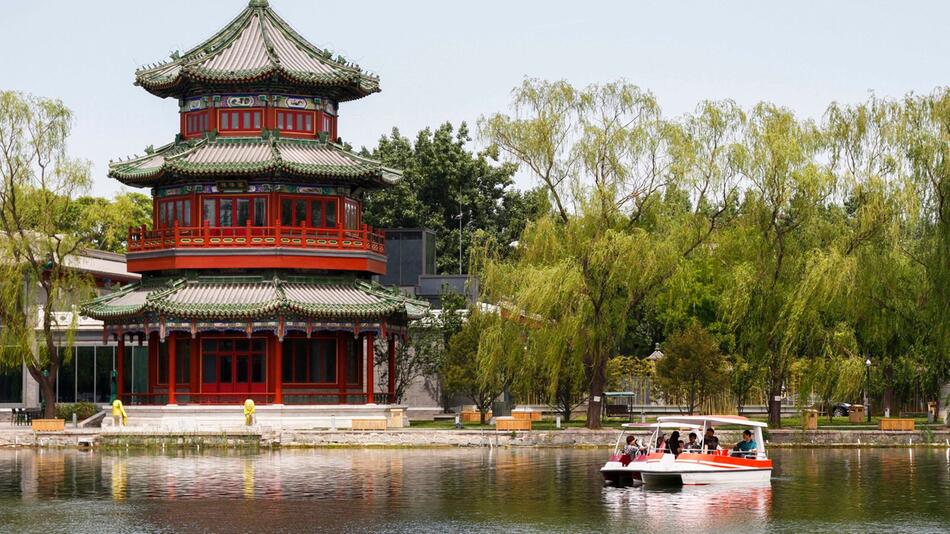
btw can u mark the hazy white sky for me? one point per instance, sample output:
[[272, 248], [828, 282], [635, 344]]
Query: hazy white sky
[[454, 61]]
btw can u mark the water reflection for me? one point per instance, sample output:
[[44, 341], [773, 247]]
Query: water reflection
[[442, 490], [721, 507]]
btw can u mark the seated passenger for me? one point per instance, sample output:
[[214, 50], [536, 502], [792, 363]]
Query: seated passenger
[[747, 445], [674, 445], [693, 444], [661, 443], [631, 448], [710, 441]]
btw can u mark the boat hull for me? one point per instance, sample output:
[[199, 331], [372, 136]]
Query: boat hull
[[699, 469]]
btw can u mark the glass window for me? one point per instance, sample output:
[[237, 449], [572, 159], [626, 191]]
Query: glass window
[[187, 206], [316, 214], [286, 212], [242, 375], [11, 385], [331, 214], [179, 212], [182, 361], [280, 120], [257, 120], [225, 123], [225, 370], [354, 368], [162, 363], [243, 209], [300, 212], [260, 211], [309, 118], [257, 369], [300, 360], [209, 368], [85, 374], [287, 371], [225, 212], [299, 122], [247, 120], [207, 212], [67, 375], [104, 366]]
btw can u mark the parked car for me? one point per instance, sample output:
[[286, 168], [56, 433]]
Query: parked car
[[840, 409]]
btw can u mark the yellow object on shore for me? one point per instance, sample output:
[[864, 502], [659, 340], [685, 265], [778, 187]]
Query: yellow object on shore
[[118, 411], [248, 411]]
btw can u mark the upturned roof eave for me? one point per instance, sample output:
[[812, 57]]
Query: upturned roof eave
[[346, 81]]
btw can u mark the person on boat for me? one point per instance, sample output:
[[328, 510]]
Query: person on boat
[[710, 441], [675, 444], [661, 442], [747, 446], [631, 449], [693, 444]]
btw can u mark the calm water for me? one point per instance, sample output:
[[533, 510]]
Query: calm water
[[458, 490]]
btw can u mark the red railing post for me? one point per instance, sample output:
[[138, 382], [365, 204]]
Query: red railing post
[[175, 233], [277, 232]]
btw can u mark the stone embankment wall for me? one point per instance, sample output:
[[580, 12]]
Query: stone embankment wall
[[267, 438]]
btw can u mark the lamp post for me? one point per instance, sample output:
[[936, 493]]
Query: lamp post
[[867, 389]]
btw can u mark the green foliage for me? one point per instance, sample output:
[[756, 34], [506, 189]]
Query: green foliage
[[620, 178], [39, 183], [441, 176], [692, 367], [106, 222], [468, 370], [83, 410]]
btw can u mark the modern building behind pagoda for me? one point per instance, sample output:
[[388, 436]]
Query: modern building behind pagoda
[[257, 270]]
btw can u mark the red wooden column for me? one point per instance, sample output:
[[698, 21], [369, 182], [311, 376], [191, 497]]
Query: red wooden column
[[391, 346], [120, 366], [171, 368], [279, 371], [370, 379]]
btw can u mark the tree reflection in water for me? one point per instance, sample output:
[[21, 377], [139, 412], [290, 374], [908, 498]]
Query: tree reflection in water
[[438, 490]]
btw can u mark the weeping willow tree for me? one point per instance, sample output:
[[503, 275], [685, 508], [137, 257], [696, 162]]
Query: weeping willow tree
[[38, 185], [781, 267], [609, 162], [925, 140]]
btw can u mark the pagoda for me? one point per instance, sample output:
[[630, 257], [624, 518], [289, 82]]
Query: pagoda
[[257, 272]]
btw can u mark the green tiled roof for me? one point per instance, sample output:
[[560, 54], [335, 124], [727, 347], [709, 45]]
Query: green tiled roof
[[251, 298], [255, 46], [251, 156]]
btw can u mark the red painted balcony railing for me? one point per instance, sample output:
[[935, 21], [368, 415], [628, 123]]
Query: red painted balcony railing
[[192, 237]]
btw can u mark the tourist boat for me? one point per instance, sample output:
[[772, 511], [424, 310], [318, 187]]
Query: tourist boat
[[657, 467], [623, 470]]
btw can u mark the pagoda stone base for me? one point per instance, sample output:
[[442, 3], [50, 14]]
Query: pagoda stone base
[[203, 418]]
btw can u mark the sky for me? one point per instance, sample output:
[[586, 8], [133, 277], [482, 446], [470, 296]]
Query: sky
[[455, 61]]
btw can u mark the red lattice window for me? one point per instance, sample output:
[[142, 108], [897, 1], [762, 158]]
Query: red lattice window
[[296, 121], [240, 120], [196, 122]]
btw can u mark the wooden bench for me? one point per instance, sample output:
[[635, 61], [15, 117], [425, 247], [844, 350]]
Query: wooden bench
[[369, 423], [510, 423], [49, 425], [896, 424], [527, 415]]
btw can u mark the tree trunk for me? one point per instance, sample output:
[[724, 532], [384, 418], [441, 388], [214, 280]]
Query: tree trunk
[[48, 390], [888, 388], [775, 402], [595, 400], [481, 415]]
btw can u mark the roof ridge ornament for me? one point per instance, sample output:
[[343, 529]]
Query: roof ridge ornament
[[257, 3]]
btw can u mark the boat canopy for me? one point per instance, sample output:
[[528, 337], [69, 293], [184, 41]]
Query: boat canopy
[[661, 424], [702, 420]]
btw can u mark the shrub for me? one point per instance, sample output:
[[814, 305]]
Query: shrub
[[83, 410]]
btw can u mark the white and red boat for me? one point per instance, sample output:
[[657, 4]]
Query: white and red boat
[[703, 466]]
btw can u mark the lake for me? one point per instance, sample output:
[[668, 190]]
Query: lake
[[458, 490]]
